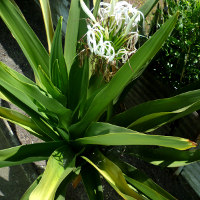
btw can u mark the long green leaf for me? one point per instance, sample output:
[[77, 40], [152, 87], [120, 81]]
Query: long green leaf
[[96, 84], [96, 8], [92, 182], [31, 188], [60, 164], [27, 153], [83, 22], [72, 33], [2, 96], [153, 114], [140, 180], [148, 6], [17, 7], [50, 88], [16, 74], [113, 175], [78, 84], [58, 77], [144, 189], [26, 38], [23, 121], [32, 96], [75, 79], [62, 189], [6, 77], [84, 85], [166, 157], [106, 134], [126, 73], [46, 12], [37, 118]]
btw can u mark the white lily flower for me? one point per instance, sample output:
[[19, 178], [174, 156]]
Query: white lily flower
[[114, 33], [91, 39], [106, 50]]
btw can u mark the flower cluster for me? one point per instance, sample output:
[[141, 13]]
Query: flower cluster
[[114, 33]]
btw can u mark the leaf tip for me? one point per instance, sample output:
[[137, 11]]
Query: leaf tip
[[193, 144]]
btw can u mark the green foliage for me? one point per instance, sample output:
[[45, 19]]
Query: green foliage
[[178, 62], [70, 107]]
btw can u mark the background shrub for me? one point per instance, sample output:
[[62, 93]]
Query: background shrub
[[178, 62]]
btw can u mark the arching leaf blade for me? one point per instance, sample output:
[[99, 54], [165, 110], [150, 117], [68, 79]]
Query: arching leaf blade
[[72, 33], [26, 38], [92, 182], [31, 188], [27, 153], [46, 12], [153, 114], [148, 6], [58, 75], [140, 180], [23, 121], [60, 164], [106, 134], [113, 175], [166, 157]]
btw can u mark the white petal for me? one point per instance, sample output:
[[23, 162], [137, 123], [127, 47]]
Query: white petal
[[87, 11]]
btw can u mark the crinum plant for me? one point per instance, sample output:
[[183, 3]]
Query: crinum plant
[[69, 106]]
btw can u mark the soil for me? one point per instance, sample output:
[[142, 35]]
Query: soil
[[12, 56]]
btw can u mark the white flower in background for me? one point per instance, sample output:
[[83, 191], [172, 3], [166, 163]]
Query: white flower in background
[[114, 33]]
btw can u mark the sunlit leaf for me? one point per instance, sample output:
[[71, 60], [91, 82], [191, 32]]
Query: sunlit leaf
[[72, 33], [27, 153], [58, 73], [140, 180], [62, 189], [23, 121], [60, 164], [36, 117], [113, 175], [33, 96], [31, 188], [46, 12], [26, 38], [106, 134]]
